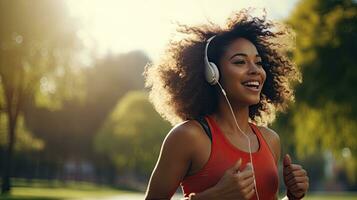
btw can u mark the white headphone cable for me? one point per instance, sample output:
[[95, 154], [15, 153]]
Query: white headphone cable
[[250, 150]]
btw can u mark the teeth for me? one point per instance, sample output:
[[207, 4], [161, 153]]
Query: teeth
[[251, 83]]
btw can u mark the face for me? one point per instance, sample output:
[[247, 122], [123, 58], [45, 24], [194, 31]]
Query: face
[[242, 72]]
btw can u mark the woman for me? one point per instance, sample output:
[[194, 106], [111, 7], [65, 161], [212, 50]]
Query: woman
[[217, 85]]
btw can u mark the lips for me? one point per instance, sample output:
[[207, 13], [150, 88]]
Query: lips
[[253, 85]]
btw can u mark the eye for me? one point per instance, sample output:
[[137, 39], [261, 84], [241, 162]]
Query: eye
[[260, 63], [239, 62]]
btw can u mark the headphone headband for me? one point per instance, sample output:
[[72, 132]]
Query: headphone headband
[[206, 48]]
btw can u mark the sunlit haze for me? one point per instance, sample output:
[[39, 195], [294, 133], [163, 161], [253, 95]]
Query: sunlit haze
[[119, 26]]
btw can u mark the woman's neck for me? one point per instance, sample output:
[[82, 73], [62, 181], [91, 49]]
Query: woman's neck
[[226, 120]]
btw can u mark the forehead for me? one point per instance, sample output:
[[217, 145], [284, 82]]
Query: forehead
[[241, 45]]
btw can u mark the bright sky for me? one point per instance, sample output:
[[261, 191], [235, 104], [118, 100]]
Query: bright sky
[[120, 26]]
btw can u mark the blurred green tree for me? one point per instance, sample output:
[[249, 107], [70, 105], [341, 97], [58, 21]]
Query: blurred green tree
[[69, 131], [25, 140], [132, 135], [325, 115], [37, 43]]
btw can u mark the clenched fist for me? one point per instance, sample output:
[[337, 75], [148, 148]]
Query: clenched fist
[[236, 184], [295, 179]]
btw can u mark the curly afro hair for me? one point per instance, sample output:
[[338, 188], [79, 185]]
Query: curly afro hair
[[178, 88]]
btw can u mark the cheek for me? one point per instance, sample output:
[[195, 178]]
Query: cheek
[[264, 75], [236, 72], [231, 74]]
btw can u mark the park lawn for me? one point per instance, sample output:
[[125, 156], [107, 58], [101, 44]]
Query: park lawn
[[330, 196], [38, 193], [341, 196], [56, 190], [42, 190]]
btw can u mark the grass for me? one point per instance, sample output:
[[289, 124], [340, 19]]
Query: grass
[[333, 196], [39, 193], [55, 190], [330, 196], [28, 193]]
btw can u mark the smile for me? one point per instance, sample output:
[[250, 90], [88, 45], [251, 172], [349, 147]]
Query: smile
[[252, 85]]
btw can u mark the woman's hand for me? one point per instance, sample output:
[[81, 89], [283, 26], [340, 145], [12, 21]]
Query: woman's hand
[[234, 184], [295, 179]]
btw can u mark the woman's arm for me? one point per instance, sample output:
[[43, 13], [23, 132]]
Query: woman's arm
[[174, 161]]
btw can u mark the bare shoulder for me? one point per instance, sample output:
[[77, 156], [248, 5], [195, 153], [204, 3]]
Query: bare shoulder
[[175, 159], [182, 144], [269, 134], [186, 134], [273, 140]]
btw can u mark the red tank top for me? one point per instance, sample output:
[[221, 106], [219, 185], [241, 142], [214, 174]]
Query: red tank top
[[224, 155]]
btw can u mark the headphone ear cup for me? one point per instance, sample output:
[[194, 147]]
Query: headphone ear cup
[[216, 72], [212, 73]]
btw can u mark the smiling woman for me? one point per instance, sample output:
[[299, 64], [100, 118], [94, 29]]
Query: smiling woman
[[218, 85], [257, 44]]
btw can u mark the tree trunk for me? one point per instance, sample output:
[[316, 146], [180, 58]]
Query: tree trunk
[[6, 182], [13, 99]]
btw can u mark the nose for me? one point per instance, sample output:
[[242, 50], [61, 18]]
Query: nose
[[253, 68]]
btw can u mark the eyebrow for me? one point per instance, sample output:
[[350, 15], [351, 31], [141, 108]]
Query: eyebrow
[[242, 54]]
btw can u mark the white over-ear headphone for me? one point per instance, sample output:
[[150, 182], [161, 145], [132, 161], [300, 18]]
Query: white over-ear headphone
[[211, 69]]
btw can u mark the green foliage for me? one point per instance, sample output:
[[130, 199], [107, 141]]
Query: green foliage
[[329, 127], [36, 61], [38, 41], [325, 115], [104, 84], [326, 46], [55, 88], [25, 140], [35, 48], [133, 134]]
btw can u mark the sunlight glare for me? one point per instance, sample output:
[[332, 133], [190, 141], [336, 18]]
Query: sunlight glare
[[119, 26]]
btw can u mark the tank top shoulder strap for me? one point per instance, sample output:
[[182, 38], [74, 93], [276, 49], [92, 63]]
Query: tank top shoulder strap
[[211, 126], [264, 144], [204, 123], [258, 133]]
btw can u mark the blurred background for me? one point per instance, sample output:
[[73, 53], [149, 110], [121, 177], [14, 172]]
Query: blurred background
[[75, 120]]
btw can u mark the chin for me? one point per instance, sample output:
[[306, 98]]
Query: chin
[[253, 103], [248, 99], [250, 102]]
